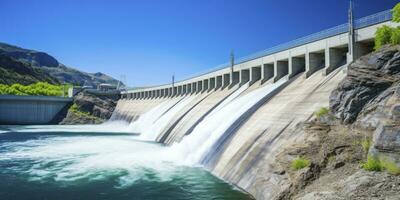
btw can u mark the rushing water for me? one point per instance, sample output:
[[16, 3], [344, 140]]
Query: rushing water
[[109, 161], [196, 146], [96, 162]]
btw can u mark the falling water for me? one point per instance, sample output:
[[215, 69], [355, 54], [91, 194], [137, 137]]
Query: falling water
[[147, 119], [194, 147], [155, 122]]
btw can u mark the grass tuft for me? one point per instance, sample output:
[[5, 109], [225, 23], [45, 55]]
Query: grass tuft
[[321, 112], [391, 167], [366, 144], [300, 163], [372, 164]]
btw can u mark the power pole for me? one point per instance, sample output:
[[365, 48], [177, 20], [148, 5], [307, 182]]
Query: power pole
[[173, 80], [232, 60], [351, 34], [121, 82]]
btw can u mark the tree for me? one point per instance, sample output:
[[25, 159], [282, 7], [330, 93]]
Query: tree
[[395, 36], [396, 13], [383, 36]]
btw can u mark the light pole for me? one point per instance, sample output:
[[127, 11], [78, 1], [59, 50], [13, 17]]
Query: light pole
[[232, 60], [351, 34]]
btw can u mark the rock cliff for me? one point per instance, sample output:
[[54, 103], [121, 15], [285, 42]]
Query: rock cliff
[[89, 108], [370, 83]]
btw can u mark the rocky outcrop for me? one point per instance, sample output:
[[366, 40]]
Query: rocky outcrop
[[366, 86], [369, 98], [89, 108], [364, 122], [335, 153]]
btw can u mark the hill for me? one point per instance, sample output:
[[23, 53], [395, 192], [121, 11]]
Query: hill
[[25, 66]]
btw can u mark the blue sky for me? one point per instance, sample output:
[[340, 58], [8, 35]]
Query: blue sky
[[149, 40]]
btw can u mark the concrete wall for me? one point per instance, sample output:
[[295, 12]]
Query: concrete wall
[[296, 65], [30, 109], [281, 69], [268, 71], [255, 74]]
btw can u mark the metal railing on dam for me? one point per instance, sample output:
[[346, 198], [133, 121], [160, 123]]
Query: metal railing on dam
[[17, 109], [360, 23]]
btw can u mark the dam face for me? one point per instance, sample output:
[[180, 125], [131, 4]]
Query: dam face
[[235, 120], [233, 131]]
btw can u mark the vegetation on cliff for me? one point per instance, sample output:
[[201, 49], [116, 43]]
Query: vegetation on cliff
[[89, 108], [78, 113], [35, 89], [300, 163], [386, 34]]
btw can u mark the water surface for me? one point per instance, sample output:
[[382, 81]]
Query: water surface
[[92, 162]]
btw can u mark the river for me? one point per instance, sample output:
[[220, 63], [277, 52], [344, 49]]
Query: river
[[98, 162]]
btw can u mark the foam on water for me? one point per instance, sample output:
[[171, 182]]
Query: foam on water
[[67, 159], [107, 127]]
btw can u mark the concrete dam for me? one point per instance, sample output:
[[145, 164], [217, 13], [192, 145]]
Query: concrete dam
[[235, 119]]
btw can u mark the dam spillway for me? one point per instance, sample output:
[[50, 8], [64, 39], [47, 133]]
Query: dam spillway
[[234, 120], [235, 136]]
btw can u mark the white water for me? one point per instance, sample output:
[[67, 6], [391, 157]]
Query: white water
[[66, 159], [107, 127], [151, 129], [195, 146], [230, 98], [147, 119], [124, 154]]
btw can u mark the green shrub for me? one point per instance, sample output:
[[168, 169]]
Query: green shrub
[[396, 13], [75, 109], [383, 36], [391, 167], [386, 34], [35, 89], [321, 112], [372, 164], [300, 163], [395, 36]]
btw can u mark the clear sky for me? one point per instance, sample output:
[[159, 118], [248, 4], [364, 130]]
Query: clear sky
[[149, 40]]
